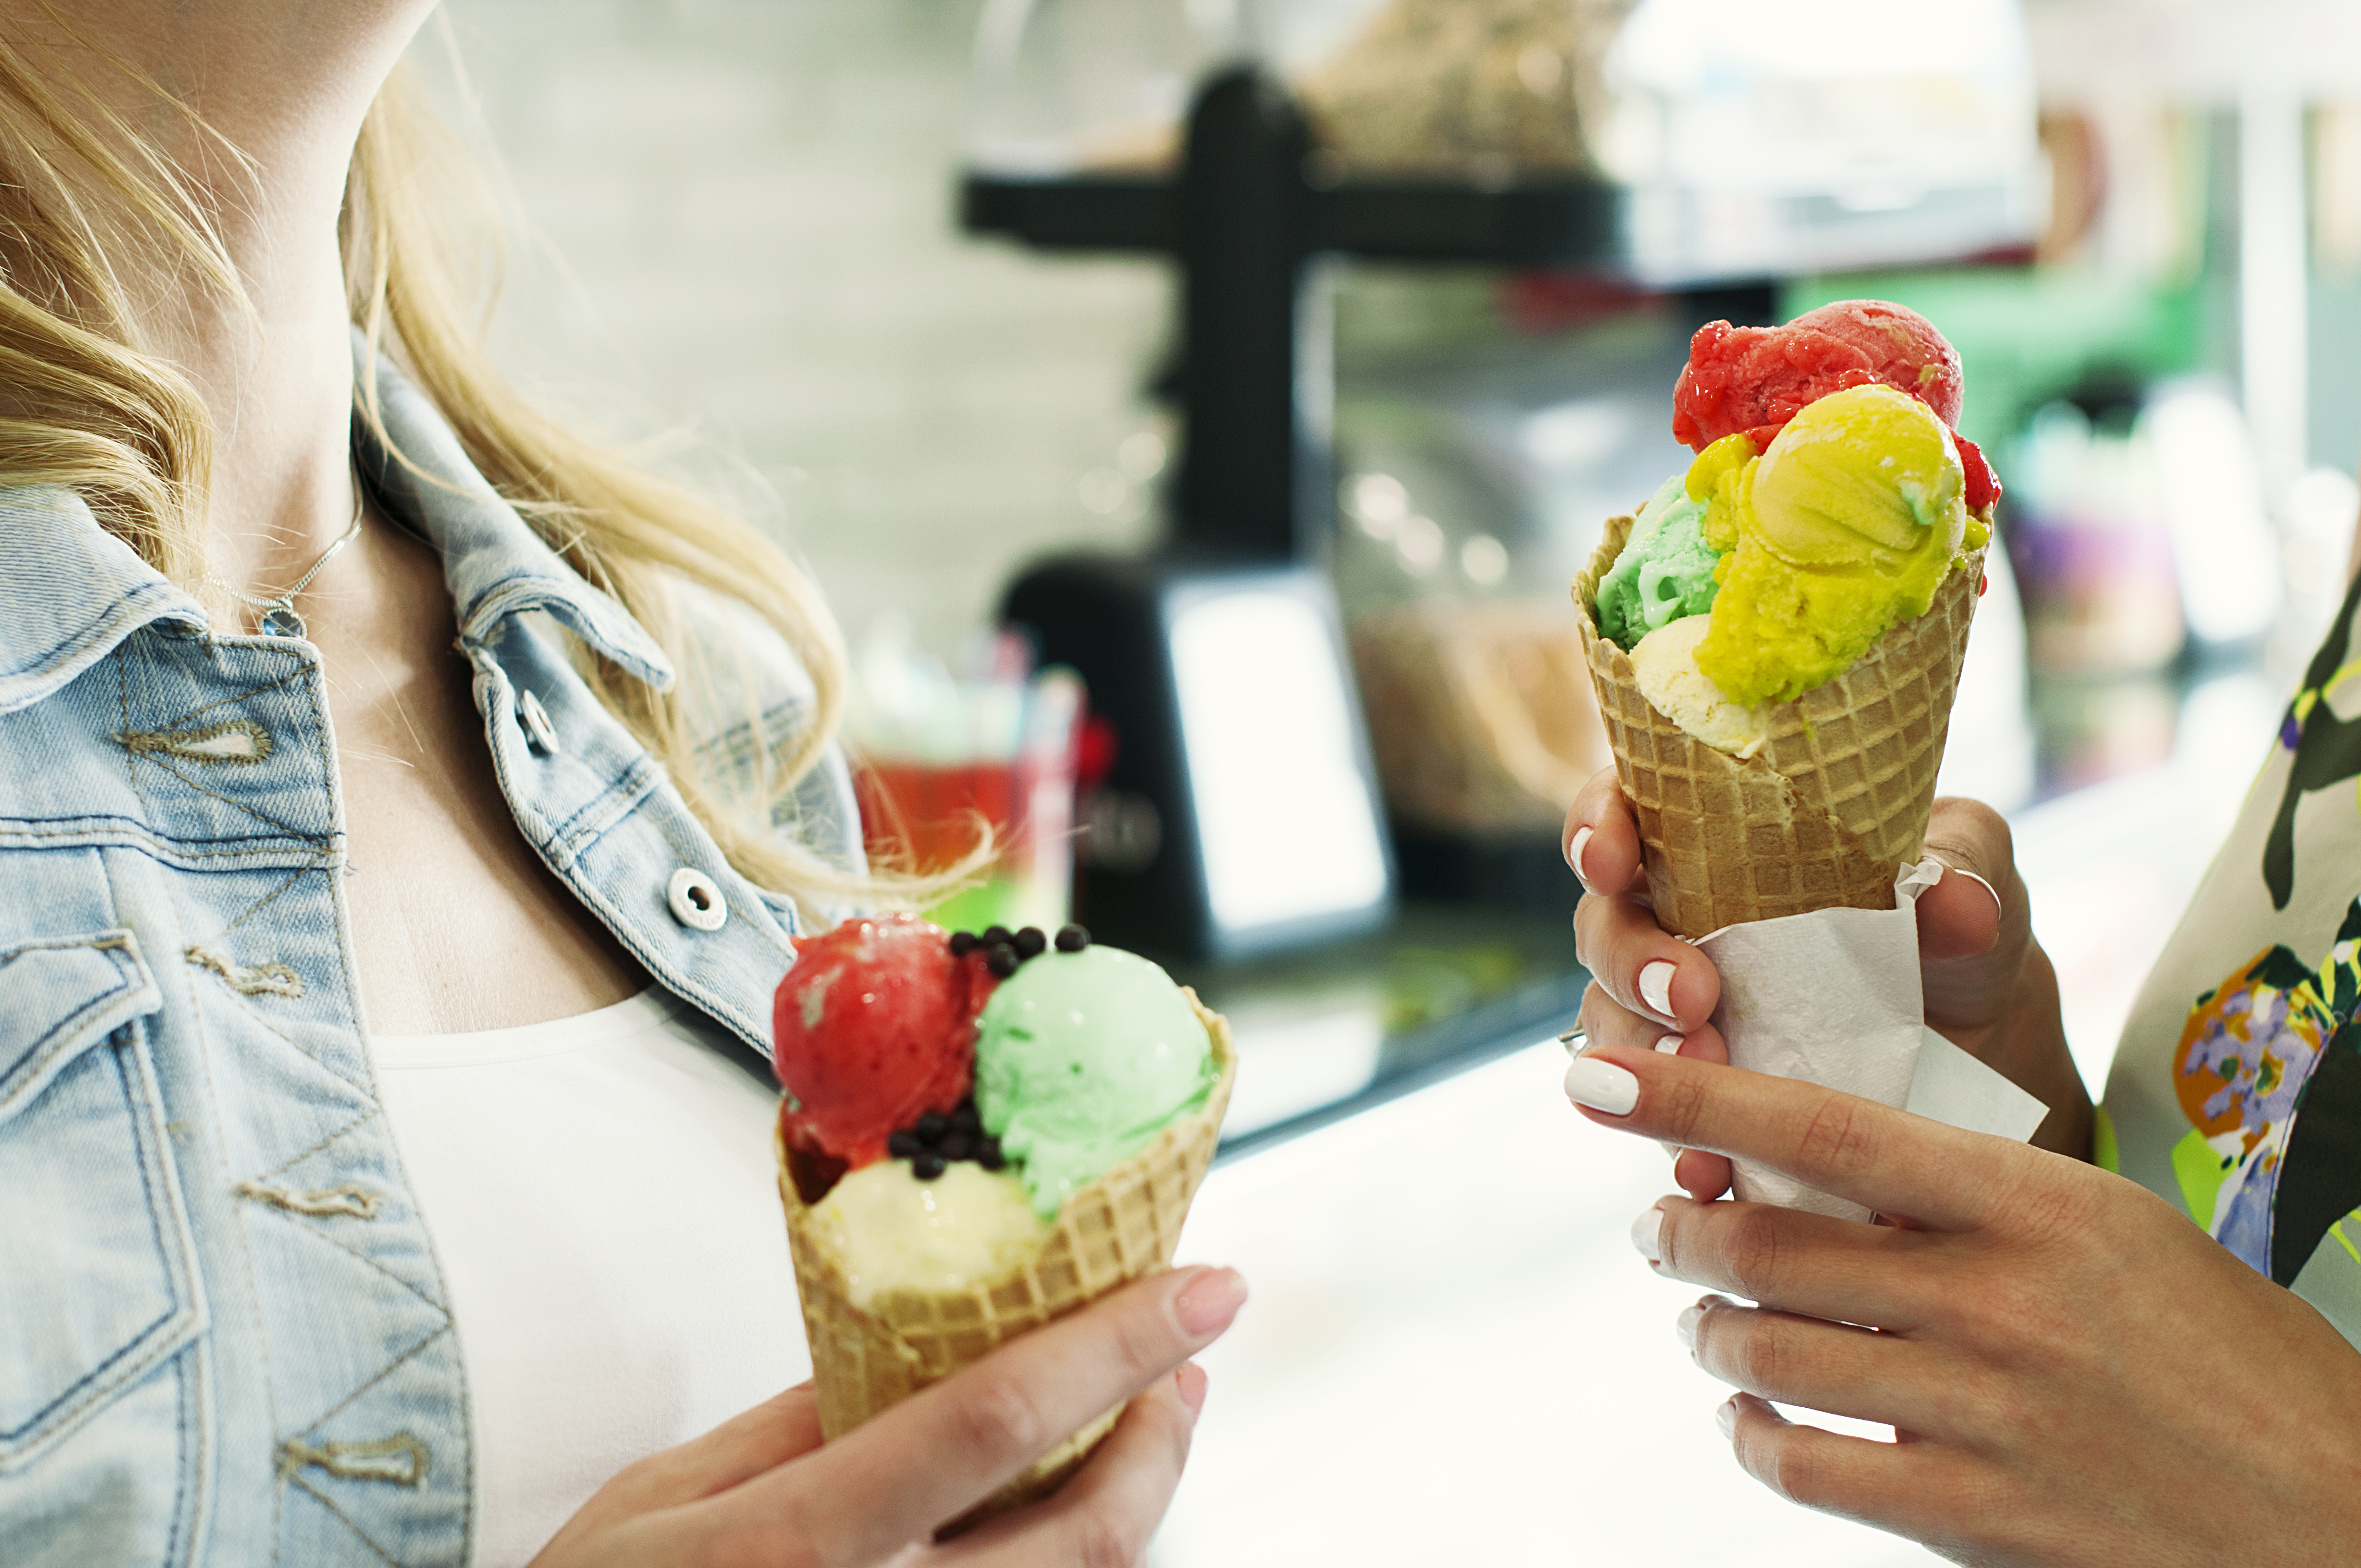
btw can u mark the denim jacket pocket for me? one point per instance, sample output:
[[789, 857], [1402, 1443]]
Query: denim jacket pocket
[[98, 1282]]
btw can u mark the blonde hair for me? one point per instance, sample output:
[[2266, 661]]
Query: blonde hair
[[86, 409]]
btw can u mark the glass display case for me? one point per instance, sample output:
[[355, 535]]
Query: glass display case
[[1854, 133], [1067, 87]]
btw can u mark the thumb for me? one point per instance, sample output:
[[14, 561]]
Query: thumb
[[1973, 926]]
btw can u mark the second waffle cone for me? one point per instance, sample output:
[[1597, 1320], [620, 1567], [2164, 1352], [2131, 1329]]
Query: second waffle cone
[[1831, 808], [1121, 1227]]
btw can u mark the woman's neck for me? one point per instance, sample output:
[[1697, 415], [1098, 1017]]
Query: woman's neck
[[285, 82]]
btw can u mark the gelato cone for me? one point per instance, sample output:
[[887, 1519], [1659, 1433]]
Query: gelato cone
[[1835, 798], [1775, 640], [872, 1345], [980, 1134]]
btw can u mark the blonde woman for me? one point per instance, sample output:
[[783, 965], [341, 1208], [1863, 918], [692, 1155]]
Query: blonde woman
[[405, 812]]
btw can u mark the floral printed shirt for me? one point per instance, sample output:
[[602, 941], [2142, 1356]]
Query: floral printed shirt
[[2237, 1087]]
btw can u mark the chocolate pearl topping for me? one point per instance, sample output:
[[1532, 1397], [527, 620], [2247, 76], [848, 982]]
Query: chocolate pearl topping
[[932, 1142]]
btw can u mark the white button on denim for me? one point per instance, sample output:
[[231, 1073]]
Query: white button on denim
[[695, 899], [537, 728]]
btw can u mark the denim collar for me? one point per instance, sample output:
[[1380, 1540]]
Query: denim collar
[[70, 591], [496, 564]]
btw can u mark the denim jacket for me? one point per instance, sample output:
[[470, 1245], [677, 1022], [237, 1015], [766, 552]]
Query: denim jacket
[[223, 1338]]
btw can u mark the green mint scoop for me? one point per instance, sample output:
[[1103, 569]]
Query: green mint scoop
[[1080, 1060], [1665, 571]]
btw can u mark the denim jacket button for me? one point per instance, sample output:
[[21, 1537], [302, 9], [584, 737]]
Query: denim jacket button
[[696, 900], [537, 728]]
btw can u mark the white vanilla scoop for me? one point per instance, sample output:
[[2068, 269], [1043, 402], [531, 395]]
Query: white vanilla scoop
[[891, 1231], [1665, 665]]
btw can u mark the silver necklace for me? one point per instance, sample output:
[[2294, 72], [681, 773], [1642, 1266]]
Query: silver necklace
[[279, 617]]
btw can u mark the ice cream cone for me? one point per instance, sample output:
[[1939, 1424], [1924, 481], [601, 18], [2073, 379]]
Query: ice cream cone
[[1121, 1227], [1826, 813]]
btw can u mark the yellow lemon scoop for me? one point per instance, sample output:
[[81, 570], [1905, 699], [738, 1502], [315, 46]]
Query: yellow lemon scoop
[[1846, 526]]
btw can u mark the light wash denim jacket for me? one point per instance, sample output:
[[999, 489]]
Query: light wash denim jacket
[[223, 1338]]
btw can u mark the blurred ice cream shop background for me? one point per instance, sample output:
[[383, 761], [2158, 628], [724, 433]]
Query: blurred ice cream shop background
[[1195, 410]]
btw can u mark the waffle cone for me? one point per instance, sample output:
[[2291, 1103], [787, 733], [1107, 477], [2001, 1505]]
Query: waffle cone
[[1829, 810], [1122, 1226]]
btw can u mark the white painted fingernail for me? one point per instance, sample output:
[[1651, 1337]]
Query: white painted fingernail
[[1647, 1232], [1574, 856], [1725, 1419], [1656, 985], [1686, 1325], [1601, 1085], [1671, 1045]]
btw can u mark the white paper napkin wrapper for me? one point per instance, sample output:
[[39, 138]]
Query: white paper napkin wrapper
[[1832, 998]]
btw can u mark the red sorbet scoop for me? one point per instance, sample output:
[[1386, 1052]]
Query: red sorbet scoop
[[1755, 379], [875, 1027]]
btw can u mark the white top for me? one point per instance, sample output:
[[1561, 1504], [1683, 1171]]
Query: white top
[[604, 1203]]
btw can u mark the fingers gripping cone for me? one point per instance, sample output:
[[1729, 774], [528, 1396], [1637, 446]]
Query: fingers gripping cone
[[1830, 809], [1122, 1226]]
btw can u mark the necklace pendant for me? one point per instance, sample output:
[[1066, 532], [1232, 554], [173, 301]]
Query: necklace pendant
[[281, 620]]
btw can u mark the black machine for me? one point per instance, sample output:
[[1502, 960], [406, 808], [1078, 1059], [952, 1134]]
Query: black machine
[[1171, 861]]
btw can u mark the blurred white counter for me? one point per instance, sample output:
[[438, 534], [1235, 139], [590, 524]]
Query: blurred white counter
[[1453, 1355]]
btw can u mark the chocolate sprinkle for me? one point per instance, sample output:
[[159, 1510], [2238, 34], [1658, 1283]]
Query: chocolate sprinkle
[[1031, 943], [1001, 961], [994, 936], [1072, 938], [963, 943], [936, 1139]]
